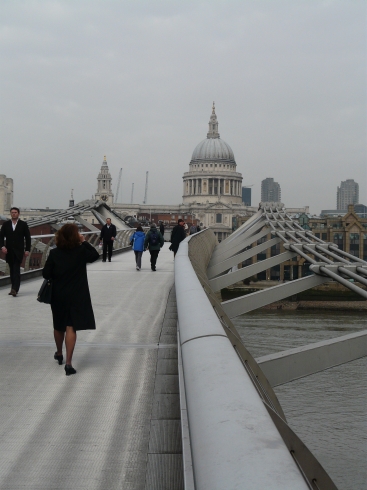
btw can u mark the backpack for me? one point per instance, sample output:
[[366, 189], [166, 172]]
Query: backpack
[[193, 229], [153, 238]]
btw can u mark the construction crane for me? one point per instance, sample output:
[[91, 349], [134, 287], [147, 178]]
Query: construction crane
[[118, 187], [132, 193], [146, 188]]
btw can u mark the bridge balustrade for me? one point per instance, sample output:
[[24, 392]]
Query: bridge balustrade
[[41, 245], [238, 434]]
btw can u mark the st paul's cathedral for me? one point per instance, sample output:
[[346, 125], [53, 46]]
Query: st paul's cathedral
[[212, 188]]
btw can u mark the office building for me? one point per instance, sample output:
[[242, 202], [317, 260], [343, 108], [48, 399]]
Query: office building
[[347, 193], [246, 196], [270, 191]]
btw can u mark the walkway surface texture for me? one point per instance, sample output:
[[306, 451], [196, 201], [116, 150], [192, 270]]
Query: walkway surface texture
[[113, 425]]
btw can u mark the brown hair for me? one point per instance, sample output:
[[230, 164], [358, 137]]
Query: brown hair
[[67, 237], [139, 228]]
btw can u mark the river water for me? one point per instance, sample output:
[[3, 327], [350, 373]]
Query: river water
[[327, 410]]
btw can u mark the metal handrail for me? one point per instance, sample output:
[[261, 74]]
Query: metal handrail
[[225, 389], [121, 242]]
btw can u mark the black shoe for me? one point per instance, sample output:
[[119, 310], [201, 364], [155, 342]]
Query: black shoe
[[69, 370], [58, 358], [13, 292], [104, 260], [109, 260]]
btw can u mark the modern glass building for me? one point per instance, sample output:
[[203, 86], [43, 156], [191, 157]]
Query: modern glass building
[[270, 191], [347, 193]]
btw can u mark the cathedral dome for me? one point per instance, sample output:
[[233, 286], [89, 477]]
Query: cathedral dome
[[213, 149], [212, 175]]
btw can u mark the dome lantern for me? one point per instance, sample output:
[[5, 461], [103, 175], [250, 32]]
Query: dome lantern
[[213, 125]]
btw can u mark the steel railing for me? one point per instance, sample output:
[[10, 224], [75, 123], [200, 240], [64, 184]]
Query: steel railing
[[233, 414], [41, 245]]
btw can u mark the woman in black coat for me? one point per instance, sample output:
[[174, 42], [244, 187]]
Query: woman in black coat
[[71, 305]]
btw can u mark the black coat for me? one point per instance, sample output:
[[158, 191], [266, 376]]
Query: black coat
[[70, 303], [178, 234], [15, 240], [107, 233]]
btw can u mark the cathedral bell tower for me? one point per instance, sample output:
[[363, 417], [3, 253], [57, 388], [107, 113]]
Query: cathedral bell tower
[[104, 190]]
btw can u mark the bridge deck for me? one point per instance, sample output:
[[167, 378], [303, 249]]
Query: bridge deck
[[106, 427]]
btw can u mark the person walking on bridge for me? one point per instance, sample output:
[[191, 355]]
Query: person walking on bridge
[[14, 232], [153, 241], [108, 234], [137, 242], [161, 228], [178, 234], [71, 304]]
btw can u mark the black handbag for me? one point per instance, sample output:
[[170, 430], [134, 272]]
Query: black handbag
[[45, 292]]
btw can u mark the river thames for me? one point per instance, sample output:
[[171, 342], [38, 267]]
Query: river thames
[[327, 410]]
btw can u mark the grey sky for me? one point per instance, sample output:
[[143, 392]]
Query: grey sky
[[135, 80]]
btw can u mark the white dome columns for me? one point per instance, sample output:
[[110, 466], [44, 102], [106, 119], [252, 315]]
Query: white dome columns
[[211, 188]]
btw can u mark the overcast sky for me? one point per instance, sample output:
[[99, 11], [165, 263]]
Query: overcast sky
[[135, 81]]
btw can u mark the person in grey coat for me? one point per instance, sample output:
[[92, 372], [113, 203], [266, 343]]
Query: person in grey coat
[[71, 304], [153, 241]]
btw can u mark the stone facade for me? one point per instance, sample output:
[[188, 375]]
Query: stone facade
[[6, 194]]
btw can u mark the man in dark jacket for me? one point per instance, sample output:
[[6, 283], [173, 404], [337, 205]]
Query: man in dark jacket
[[14, 232], [161, 228], [153, 241], [108, 234], [178, 234]]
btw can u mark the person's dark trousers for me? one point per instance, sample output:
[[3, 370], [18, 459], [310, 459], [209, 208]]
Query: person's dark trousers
[[15, 274], [138, 258], [153, 258], [107, 250]]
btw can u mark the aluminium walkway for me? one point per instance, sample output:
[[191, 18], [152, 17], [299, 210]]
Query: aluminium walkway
[[115, 424]]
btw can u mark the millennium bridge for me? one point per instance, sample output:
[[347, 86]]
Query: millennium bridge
[[166, 396]]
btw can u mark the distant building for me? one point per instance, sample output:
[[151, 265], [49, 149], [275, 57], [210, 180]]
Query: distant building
[[6, 194], [212, 175], [270, 191], [104, 188], [347, 193], [212, 190], [246, 196], [360, 210]]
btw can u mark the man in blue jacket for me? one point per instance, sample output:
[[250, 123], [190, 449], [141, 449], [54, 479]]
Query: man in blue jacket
[[108, 234], [137, 242]]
